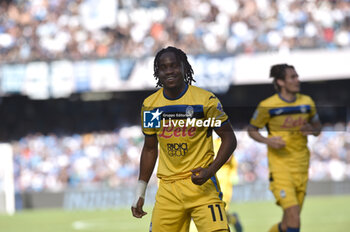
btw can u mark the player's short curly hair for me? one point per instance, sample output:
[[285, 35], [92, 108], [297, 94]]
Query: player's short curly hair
[[278, 72], [181, 57]]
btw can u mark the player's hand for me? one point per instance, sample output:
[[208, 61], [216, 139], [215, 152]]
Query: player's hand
[[307, 129], [138, 211], [276, 142], [200, 175]]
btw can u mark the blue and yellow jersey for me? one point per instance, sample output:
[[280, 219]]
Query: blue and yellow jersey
[[183, 127], [283, 118]]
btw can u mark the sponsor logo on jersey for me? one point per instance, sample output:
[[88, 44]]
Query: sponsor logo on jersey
[[172, 131], [177, 149], [219, 107], [279, 111], [291, 122]]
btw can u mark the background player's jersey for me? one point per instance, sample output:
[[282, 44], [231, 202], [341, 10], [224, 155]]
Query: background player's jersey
[[182, 147], [226, 175], [284, 119], [231, 163]]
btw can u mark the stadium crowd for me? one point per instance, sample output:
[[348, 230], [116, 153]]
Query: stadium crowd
[[91, 29], [74, 29], [52, 163]]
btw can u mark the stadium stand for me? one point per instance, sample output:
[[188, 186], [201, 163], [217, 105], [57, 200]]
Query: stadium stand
[[67, 29]]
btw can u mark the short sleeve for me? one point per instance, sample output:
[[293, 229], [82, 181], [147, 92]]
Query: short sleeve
[[215, 110], [147, 124], [313, 111], [260, 117]]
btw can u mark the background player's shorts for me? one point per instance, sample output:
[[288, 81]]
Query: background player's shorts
[[289, 189], [178, 201]]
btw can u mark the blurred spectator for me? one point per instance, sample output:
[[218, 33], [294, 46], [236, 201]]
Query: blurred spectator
[[83, 29], [54, 163], [112, 158]]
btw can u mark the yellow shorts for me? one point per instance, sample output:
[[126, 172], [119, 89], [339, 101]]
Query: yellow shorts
[[179, 201], [289, 189]]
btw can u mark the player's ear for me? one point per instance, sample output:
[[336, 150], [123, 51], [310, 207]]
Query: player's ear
[[280, 82]]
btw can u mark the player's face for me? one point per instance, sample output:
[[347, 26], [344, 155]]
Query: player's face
[[291, 81], [170, 72]]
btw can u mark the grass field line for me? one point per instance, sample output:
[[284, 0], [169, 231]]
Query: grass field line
[[101, 224], [321, 214]]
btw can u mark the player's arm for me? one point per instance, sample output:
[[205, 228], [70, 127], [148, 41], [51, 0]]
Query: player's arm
[[228, 145], [148, 160], [274, 142], [260, 118], [313, 127]]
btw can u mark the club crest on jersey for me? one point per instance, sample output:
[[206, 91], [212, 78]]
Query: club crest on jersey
[[303, 109], [151, 119], [189, 111]]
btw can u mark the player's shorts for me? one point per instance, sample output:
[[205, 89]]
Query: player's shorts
[[179, 201], [289, 189]]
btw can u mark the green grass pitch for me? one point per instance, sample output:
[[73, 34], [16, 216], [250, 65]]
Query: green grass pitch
[[320, 214]]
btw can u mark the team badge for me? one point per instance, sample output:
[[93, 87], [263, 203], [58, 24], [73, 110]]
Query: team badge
[[189, 111], [303, 109]]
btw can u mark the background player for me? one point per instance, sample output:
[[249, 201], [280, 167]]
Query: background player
[[289, 117], [186, 158], [227, 176]]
